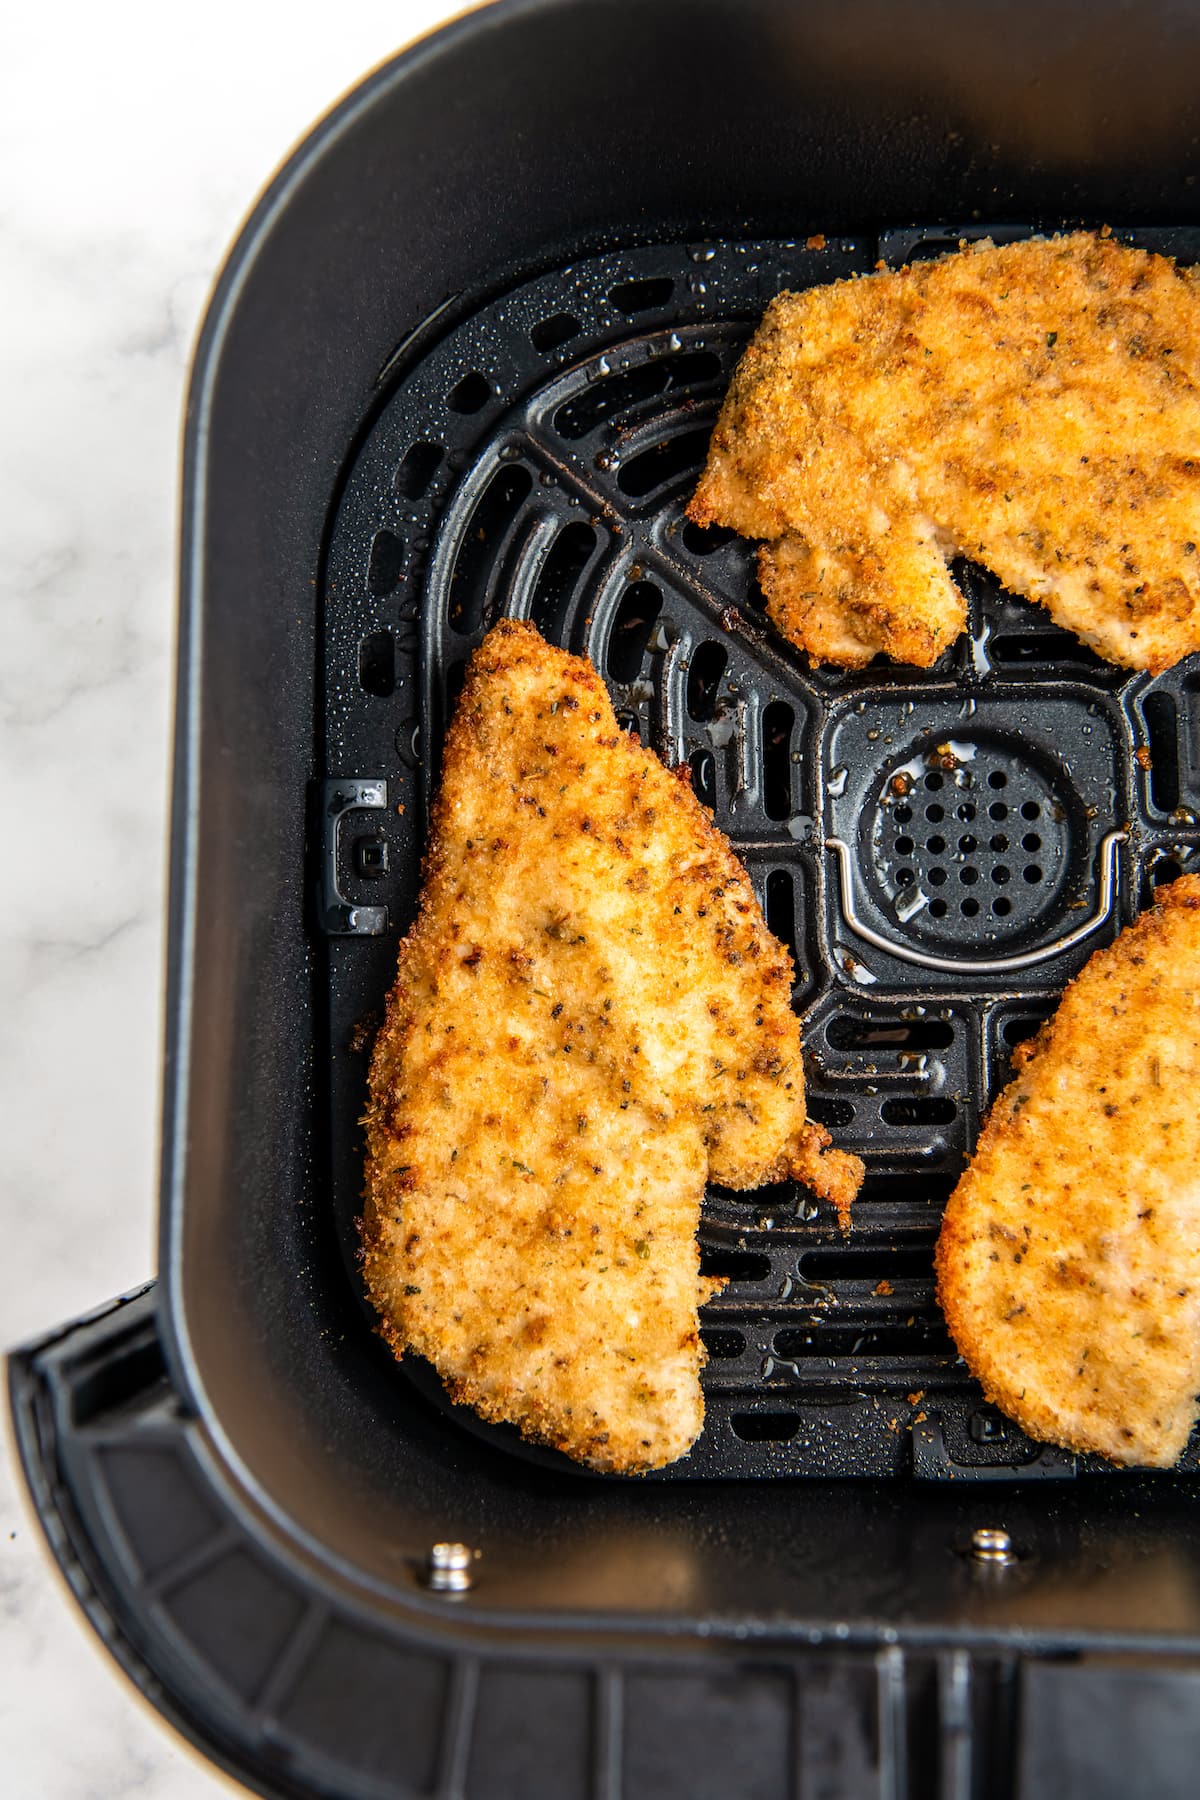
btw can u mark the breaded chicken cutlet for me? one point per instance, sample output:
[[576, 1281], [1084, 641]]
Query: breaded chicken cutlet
[[1033, 406], [589, 1020], [1069, 1258]]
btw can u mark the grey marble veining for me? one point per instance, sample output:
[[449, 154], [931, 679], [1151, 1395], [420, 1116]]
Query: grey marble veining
[[133, 138]]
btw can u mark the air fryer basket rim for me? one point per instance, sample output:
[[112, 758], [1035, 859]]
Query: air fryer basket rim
[[221, 358], [184, 796]]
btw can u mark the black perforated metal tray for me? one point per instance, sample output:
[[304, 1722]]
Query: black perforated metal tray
[[940, 849]]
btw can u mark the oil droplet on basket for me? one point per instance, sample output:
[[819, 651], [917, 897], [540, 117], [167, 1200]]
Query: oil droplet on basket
[[979, 652], [857, 971], [912, 902]]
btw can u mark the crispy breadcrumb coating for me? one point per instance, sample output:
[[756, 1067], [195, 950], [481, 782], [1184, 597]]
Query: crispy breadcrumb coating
[[1033, 406], [1069, 1257], [590, 1019]]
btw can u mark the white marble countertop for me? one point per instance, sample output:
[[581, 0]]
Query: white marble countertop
[[133, 138]]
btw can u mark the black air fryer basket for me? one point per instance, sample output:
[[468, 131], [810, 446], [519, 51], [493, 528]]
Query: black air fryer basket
[[462, 364]]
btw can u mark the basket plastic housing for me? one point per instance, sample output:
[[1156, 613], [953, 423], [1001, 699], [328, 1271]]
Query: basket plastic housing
[[463, 361]]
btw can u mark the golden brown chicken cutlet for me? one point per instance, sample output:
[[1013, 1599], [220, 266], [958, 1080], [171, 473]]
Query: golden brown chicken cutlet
[[1034, 407], [589, 1021], [1069, 1257]]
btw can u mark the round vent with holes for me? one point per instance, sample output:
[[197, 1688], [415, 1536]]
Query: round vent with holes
[[969, 833]]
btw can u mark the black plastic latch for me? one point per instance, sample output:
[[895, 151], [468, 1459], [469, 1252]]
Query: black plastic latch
[[335, 913], [932, 1461]]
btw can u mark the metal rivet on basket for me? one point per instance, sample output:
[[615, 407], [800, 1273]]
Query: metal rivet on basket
[[448, 1569], [992, 1544]]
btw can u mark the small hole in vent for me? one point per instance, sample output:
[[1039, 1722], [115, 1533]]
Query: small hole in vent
[[904, 877], [1031, 841], [829, 1110], [935, 845], [694, 369], [370, 858], [938, 909], [1001, 907], [734, 1265], [548, 334], [704, 776], [932, 248], [765, 1428], [969, 908], [1000, 874], [997, 779], [911, 1188], [922, 1335], [1019, 1028], [908, 1262], [777, 722], [1031, 810], [471, 394], [559, 576], [905, 846], [998, 811], [933, 782], [968, 845], [937, 877], [920, 1109], [642, 296], [663, 463], [722, 1342], [1042, 646], [708, 664], [629, 638], [902, 815], [999, 842], [1162, 731], [609, 398], [844, 1032], [705, 540], [387, 560], [1032, 874], [935, 813], [968, 875], [966, 812], [474, 565], [780, 910], [418, 467], [377, 664]]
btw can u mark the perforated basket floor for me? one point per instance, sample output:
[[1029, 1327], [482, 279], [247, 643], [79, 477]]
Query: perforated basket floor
[[941, 849]]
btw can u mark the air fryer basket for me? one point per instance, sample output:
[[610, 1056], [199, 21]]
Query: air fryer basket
[[942, 849], [463, 362]]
